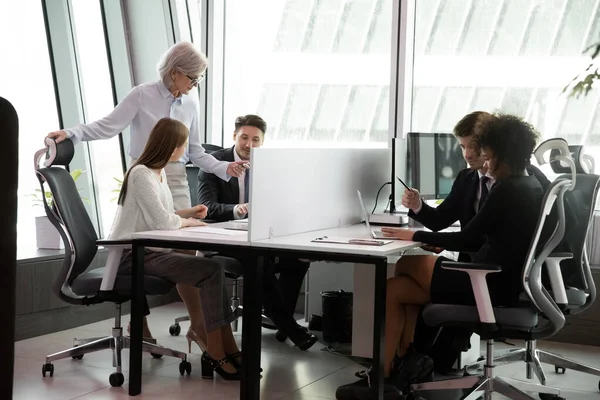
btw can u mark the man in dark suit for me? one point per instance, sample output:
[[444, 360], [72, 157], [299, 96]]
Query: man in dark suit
[[229, 201], [469, 191]]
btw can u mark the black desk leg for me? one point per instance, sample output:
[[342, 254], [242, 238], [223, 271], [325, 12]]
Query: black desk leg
[[137, 309], [251, 330], [379, 327]]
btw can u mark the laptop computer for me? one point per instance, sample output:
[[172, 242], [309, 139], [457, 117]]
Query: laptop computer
[[375, 234]]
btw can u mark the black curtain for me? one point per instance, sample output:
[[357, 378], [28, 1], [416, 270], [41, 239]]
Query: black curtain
[[9, 165]]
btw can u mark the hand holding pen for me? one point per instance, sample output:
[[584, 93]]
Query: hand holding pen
[[411, 198]]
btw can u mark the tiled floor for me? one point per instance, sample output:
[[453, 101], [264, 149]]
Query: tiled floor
[[288, 373]]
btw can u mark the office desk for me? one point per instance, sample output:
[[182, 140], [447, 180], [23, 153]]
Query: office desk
[[251, 329], [298, 246]]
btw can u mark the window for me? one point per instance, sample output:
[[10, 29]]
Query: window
[[26, 81], [318, 72], [513, 56], [95, 82]]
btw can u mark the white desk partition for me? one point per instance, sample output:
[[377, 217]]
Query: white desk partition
[[301, 190]]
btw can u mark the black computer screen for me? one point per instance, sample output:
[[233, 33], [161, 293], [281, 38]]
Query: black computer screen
[[433, 160]]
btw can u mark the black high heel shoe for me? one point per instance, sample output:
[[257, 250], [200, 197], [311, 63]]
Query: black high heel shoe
[[210, 366], [233, 358]]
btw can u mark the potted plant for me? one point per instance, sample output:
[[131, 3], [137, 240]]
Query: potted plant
[[47, 237], [583, 82]]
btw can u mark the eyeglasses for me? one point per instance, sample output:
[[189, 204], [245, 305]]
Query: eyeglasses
[[195, 81]]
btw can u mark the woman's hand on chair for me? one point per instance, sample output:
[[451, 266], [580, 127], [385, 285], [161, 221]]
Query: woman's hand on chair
[[398, 233], [59, 136]]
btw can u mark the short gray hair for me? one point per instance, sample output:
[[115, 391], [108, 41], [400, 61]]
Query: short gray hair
[[183, 57]]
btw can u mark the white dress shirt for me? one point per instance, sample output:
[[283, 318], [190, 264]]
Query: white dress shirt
[[141, 109], [241, 182]]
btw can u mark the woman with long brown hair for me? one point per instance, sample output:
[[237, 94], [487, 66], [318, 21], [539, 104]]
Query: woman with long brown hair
[[146, 203]]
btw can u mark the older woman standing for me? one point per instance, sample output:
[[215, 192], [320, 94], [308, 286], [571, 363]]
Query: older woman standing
[[181, 68]]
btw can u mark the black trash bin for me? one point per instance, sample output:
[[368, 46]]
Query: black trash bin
[[337, 316]]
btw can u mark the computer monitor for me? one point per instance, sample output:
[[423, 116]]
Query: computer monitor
[[433, 160]]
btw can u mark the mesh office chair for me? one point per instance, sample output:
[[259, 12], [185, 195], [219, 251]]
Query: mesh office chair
[[75, 284], [538, 318], [569, 273], [233, 268]]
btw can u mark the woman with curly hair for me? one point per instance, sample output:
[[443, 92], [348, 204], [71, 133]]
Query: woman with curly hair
[[507, 221]]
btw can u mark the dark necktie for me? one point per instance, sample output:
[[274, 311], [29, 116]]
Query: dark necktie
[[484, 190], [247, 186]]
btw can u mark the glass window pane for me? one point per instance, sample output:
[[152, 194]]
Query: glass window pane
[[34, 99], [330, 112], [447, 29], [183, 21], [511, 27], [571, 37], [355, 26], [455, 101], [323, 25], [540, 34], [298, 66], [516, 57], [105, 155]]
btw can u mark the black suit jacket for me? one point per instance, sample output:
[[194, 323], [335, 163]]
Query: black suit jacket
[[460, 203], [219, 196]]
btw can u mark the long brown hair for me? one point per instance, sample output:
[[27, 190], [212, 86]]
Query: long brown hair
[[167, 135]]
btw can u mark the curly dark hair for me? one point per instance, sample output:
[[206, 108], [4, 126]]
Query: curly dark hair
[[511, 139]]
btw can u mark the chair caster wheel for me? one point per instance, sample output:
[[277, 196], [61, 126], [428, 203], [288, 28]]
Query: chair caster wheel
[[79, 357], [116, 380], [559, 370], [185, 367], [175, 330], [157, 356], [47, 368]]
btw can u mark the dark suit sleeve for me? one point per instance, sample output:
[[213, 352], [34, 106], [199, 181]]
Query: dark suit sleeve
[[469, 238], [448, 212], [208, 194]]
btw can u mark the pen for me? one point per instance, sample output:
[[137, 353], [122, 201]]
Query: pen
[[404, 184]]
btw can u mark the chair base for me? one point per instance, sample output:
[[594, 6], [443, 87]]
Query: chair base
[[533, 357], [117, 342], [488, 383]]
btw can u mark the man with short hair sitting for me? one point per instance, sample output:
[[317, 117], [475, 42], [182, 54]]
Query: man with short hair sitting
[[229, 201]]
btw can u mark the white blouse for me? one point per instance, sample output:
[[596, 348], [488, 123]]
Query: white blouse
[[148, 205]]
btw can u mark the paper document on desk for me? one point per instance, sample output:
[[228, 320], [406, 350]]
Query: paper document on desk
[[213, 231]]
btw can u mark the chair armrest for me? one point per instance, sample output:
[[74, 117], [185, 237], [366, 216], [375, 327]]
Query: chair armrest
[[477, 274], [557, 283], [115, 250]]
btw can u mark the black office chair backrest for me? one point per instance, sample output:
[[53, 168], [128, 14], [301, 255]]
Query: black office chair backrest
[[579, 208], [192, 173], [68, 215]]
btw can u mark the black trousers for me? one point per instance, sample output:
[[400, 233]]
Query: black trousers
[[281, 294]]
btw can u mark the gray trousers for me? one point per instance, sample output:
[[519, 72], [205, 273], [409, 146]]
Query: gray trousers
[[201, 272]]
